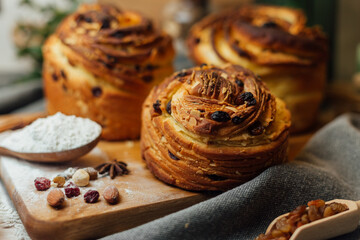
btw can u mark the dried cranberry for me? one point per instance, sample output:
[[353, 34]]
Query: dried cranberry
[[71, 190], [168, 107], [156, 106], [220, 116], [42, 183], [91, 196]]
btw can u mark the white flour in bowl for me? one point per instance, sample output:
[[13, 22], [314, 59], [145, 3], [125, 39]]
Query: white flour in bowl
[[55, 133]]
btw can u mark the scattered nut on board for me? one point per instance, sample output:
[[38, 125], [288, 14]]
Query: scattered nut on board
[[59, 180], [68, 173], [92, 173], [55, 198], [111, 194], [81, 178]]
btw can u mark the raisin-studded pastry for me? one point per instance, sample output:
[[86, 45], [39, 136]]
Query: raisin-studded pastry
[[274, 43], [101, 63], [210, 128]]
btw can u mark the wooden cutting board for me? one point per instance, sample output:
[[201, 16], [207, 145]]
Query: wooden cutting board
[[143, 197]]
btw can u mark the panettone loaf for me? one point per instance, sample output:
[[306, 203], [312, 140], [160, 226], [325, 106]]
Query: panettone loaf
[[210, 128], [274, 43], [101, 63]]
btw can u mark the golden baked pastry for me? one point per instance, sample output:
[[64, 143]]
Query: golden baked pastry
[[274, 43], [210, 128], [101, 63]]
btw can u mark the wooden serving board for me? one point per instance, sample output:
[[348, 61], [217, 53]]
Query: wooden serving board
[[143, 197]]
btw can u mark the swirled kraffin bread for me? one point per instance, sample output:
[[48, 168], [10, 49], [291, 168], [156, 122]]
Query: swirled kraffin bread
[[210, 128], [274, 43], [101, 63]]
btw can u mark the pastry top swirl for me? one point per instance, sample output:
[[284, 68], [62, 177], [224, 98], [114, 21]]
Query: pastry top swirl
[[264, 35], [122, 46], [223, 106]]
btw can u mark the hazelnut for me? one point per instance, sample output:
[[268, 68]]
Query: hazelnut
[[81, 178], [55, 198], [59, 181], [68, 173], [92, 173], [111, 194]]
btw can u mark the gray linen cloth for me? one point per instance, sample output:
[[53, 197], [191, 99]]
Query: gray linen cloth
[[327, 168]]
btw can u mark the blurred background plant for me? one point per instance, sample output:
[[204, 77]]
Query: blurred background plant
[[29, 36]]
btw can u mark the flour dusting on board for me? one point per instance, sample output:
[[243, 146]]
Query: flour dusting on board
[[53, 134]]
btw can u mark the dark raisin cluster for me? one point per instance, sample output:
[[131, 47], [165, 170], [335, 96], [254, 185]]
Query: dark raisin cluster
[[156, 106], [220, 116], [249, 98]]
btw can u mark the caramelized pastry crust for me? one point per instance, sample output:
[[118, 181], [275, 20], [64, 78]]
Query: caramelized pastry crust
[[274, 43], [210, 128], [101, 63]]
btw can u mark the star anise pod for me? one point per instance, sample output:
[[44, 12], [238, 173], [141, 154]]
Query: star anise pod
[[114, 168]]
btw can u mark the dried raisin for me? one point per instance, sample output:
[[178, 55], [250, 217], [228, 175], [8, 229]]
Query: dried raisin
[[168, 107], [269, 24], [220, 116], [247, 96], [239, 83], [91, 196], [172, 156], [237, 120], [96, 91], [156, 106], [256, 129]]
